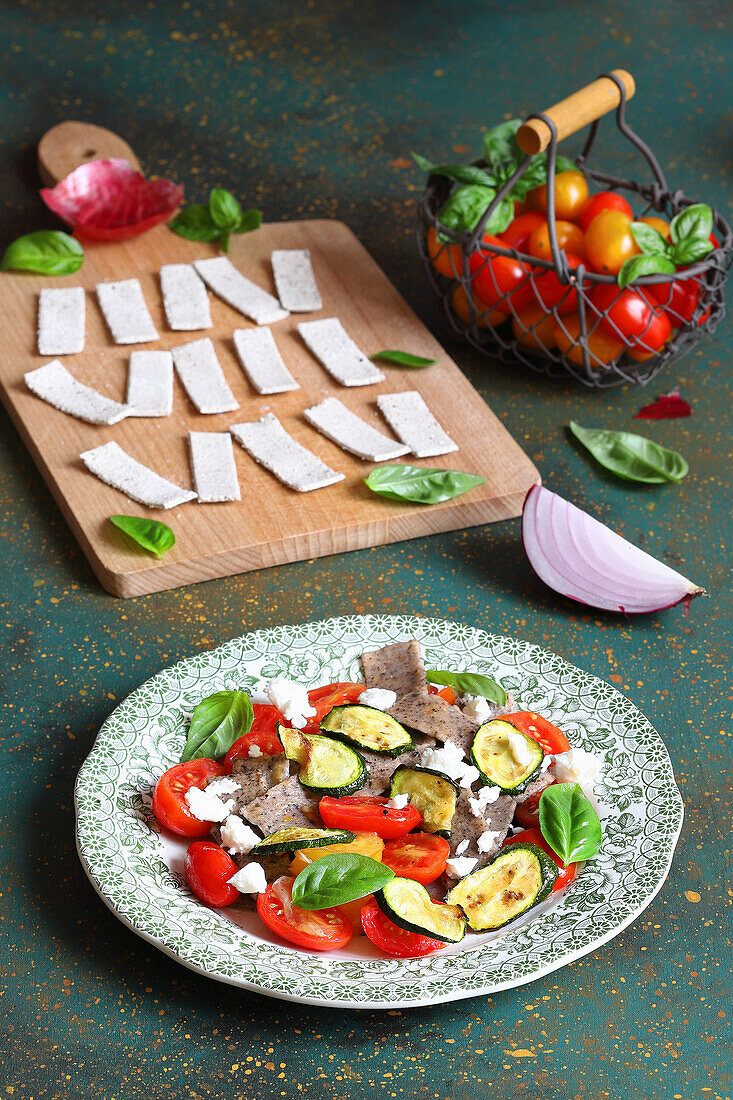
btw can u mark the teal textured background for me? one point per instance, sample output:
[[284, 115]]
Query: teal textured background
[[311, 110]]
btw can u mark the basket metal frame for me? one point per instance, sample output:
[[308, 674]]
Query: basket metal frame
[[710, 272]]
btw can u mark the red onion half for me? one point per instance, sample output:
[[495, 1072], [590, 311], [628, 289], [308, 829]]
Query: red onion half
[[581, 558]]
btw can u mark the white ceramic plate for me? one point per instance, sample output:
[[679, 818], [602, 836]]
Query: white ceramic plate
[[137, 871]]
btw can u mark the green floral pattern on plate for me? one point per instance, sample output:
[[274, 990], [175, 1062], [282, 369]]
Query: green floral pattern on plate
[[130, 866]]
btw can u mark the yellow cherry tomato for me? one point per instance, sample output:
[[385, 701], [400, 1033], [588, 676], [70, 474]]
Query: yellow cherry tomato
[[484, 316], [609, 242], [659, 224], [571, 195], [446, 257], [602, 347], [569, 237], [535, 328], [365, 844]]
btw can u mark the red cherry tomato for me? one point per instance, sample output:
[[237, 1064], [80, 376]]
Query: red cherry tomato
[[635, 315], [169, 797], [329, 696], [500, 280], [569, 238], [368, 814], [208, 869], [316, 930], [447, 693], [604, 200], [540, 730], [517, 234], [263, 734], [392, 939], [420, 856], [549, 292], [678, 299], [527, 813], [534, 836]]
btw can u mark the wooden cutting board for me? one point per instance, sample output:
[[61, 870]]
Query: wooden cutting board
[[271, 524]]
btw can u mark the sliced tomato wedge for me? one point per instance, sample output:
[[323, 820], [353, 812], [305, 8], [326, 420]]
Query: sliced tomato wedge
[[447, 693], [169, 797], [420, 856], [329, 696], [208, 868], [540, 730], [527, 813], [392, 939], [534, 836], [263, 734], [368, 814], [316, 930]]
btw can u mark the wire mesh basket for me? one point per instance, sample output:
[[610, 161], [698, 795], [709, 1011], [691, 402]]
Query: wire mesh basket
[[595, 351]]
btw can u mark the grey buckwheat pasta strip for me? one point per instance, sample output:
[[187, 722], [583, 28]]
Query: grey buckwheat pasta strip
[[150, 383], [61, 320], [202, 377], [261, 361], [351, 433], [125, 312], [221, 276], [296, 284], [214, 468], [185, 300], [269, 444], [117, 468], [53, 383], [412, 421], [330, 342]]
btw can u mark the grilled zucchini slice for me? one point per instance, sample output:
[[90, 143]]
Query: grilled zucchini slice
[[495, 757], [289, 840], [367, 728], [430, 792], [326, 766], [408, 905], [521, 876]]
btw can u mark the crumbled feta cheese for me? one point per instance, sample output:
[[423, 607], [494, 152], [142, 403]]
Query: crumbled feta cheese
[[484, 798], [487, 840], [577, 766], [259, 695], [254, 751], [237, 837], [450, 760], [519, 748], [399, 801], [291, 699], [380, 698], [546, 761], [225, 785], [460, 867], [206, 806], [477, 708], [461, 847], [250, 879]]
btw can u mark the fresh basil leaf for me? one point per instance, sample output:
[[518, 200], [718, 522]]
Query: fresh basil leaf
[[564, 164], [49, 252], [469, 683], [224, 209], [465, 207], [404, 359], [216, 724], [500, 145], [636, 266], [690, 250], [569, 823], [420, 484], [694, 221], [461, 173], [154, 536], [226, 236], [195, 224], [250, 219], [338, 878], [650, 240], [632, 457]]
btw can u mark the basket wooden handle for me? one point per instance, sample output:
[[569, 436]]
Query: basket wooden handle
[[69, 144], [575, 112]]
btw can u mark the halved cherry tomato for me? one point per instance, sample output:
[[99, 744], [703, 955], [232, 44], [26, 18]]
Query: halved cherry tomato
[[609, 242], [364, 844], [659, 224], [368, 814], [534, 836], [540, 730], [208, 868], [482, 316], [527, 813], [329, 696], [317, 929], [534, 327], [569, 237], [447, 693], [602, 347], [420, 856], [604, 200], [632, 315], [518, 232], [392, 939], [263, 734], [571, 195], [169, 797], [549, 292], [500, 281], [446, 257]]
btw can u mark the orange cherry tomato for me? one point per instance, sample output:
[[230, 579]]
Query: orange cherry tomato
[[569, 237], [602, 347], [571, 195], [483, 316], [604, 200], [446, 257], [534, 327], [609, 242], [518, 232], [659, 224], [447, 693]]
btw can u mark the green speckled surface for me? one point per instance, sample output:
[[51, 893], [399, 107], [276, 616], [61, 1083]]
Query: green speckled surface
[[310, 109]]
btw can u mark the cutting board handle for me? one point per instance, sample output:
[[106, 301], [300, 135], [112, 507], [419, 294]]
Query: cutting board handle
[[69, 144], [575, 112]]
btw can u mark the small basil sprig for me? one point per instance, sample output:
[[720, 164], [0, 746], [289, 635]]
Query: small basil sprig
[[468, 683], [459, 173], [217, 221], [216, 724], [466, 206], [48, 252], [689, 241], [404, 359], [420, 484], [339, 878], [630, 456], [154, 536], [569, 823]]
